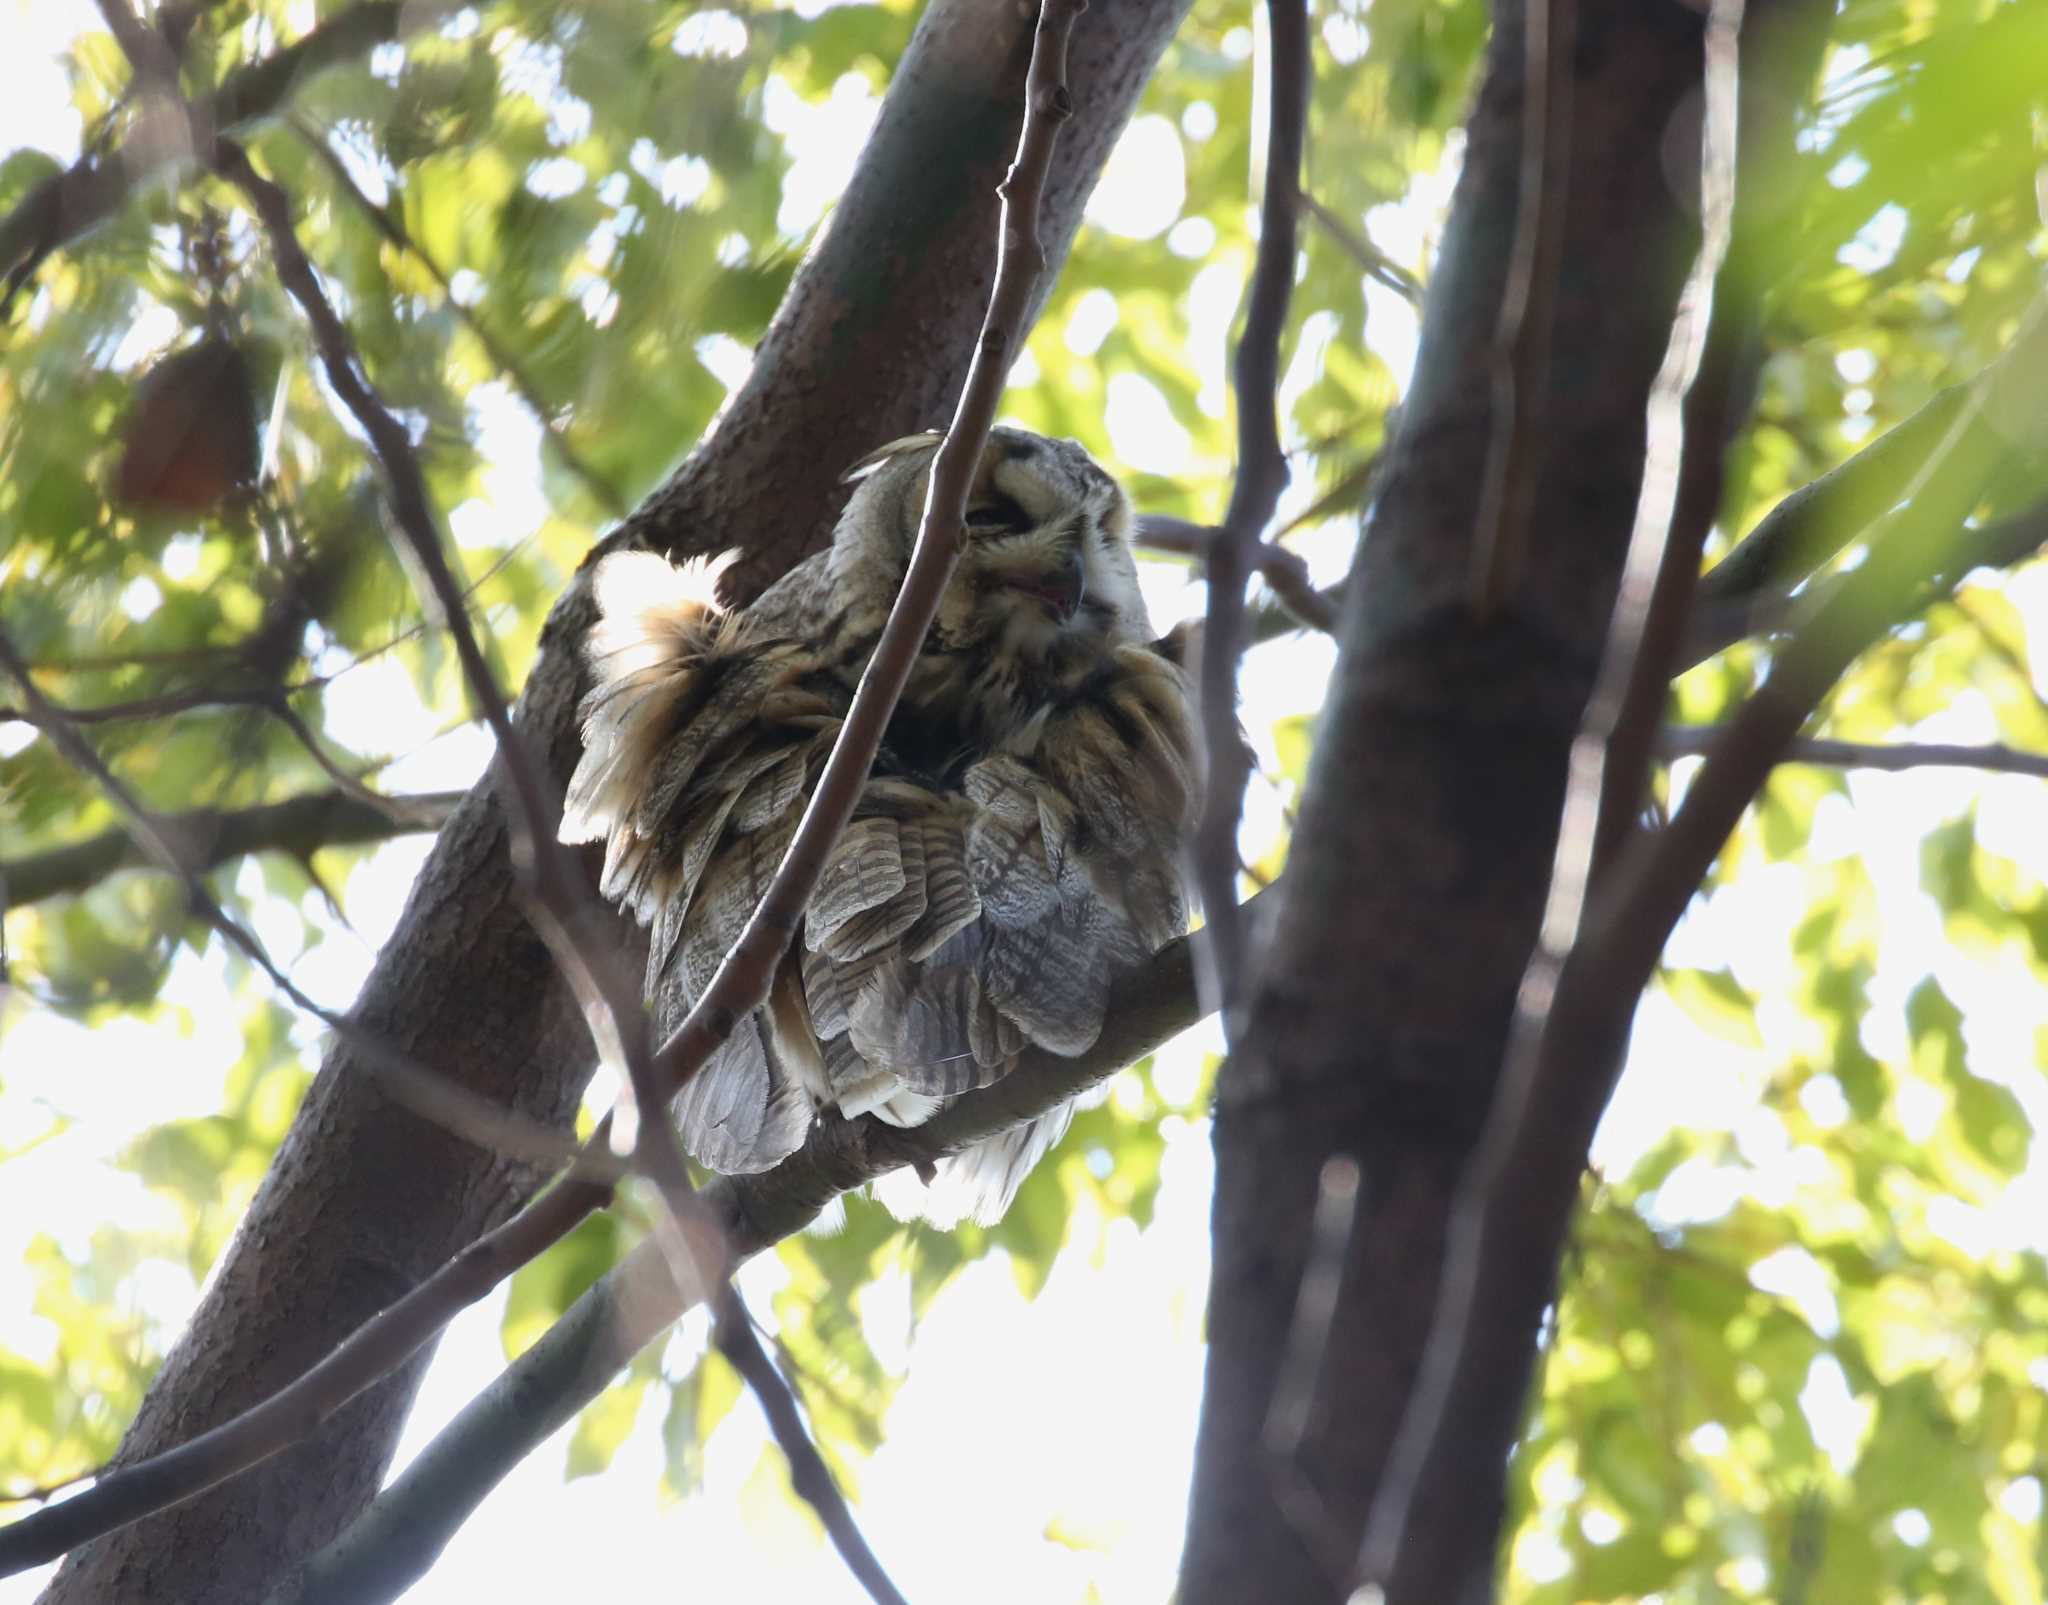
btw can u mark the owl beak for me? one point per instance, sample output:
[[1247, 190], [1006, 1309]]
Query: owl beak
[[1059, 589]]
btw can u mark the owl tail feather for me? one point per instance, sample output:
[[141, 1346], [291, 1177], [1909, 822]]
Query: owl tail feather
[[978, 1182], [657, 625]]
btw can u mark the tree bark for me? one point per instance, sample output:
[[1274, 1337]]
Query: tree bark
[[364, 1198], [1379, 1010]]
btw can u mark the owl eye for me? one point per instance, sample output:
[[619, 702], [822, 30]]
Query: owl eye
[[999, 513]]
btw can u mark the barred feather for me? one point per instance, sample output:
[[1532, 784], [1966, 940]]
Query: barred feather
[[1013, 851]]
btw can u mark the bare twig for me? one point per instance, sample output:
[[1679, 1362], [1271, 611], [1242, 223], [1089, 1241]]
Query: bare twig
[[299, 825], [126, 1494], [1146, 1009], [1685, 741], [1254, 494], [1690, 414], [416, 1086], [1285, 574], [389, 223], [73, 203], [561, 903], [398, 1537], [808, 1473], [742, 979], [1521, 358], [1375, 262]]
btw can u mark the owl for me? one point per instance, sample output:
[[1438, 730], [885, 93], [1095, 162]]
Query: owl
[[1016, 846]]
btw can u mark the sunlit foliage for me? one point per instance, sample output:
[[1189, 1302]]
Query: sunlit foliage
[[1803, 1345]]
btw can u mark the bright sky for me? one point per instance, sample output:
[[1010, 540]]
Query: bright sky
[[1039, 1492]]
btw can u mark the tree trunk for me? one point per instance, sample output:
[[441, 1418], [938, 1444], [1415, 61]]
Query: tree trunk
[[365, 1198], [1379, 1010]]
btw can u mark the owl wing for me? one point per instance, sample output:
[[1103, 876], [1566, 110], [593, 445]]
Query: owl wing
[[964, 926], [702, 737]]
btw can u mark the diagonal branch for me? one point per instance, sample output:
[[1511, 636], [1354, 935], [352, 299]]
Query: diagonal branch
[[71, 204], [388, 223], [399, 1536], [416, 1085], [299, 826], [808, 1473], [1254, 494], [1146, 1009]]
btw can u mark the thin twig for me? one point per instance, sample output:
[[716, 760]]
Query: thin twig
[[1521, 357], [560, 902], [742, 980], [1690, 741], [124, 1495], [412, 1084], [390, 225], [1284, 572], [1254, 494], [1691, 410], [398, 1537], [808, 1473], [1375, 262], [212, 836]]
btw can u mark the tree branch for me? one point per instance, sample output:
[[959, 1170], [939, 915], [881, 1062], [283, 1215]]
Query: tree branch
[[69, 205], [1146, 1009], [1515, 1208], [299, 826], [1691, 741], [1254, 494], [1285, 574], [399, 1537], [870, 342], [1521, 354], [389, 223], [808, 1474]]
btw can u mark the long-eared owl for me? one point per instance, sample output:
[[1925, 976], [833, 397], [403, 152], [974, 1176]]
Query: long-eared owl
[[1015, 848]]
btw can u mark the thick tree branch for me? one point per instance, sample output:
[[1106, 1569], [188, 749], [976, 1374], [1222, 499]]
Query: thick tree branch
[[1567, 1048], [405, 1528], [1254, 494], [300, 826], [1146, 1009], [871, 342], [1415, 883]]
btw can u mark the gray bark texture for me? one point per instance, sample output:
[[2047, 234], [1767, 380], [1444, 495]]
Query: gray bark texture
[[1379, 1007], [365, 1199]]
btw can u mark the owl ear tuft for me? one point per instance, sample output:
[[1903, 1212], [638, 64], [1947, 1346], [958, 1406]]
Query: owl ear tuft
[[923, 440]]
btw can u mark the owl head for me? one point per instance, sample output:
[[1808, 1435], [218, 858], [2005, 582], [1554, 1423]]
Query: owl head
[[1047, 569]]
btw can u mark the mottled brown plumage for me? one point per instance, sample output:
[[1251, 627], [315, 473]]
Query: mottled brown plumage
[[1014, 850]]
